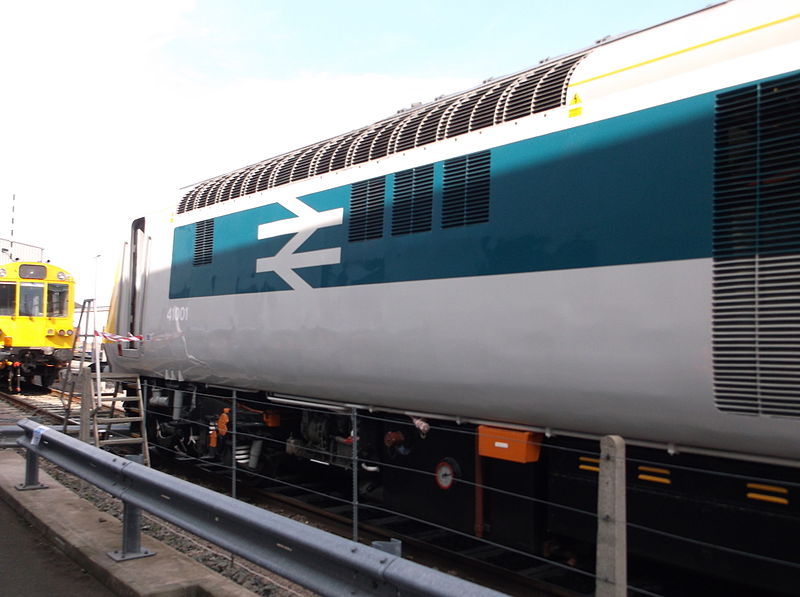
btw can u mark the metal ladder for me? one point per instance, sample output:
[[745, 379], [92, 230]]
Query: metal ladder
[[69, 380], [99, 409], [98, 416]]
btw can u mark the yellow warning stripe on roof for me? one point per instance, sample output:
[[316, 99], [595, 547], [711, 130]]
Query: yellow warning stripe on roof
[[689, 49]]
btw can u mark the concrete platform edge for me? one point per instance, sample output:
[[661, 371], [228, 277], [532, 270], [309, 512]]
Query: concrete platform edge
[[86, 535]]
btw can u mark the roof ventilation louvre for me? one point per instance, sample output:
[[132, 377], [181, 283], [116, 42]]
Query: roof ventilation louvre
[[462, 114], [380, 145], [406, 138], [339, 157], [519, 101], [484, 113], [239, 178], [283, 173], [301, 166], [428, 126], [500, 100], [361, 148]]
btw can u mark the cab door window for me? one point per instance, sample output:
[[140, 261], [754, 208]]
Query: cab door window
[[57, 300], [8, 298], [31, 299]]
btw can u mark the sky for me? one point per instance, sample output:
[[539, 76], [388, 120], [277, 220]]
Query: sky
[[109, 108]]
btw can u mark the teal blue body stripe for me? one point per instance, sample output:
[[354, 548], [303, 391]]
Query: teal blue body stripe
[[632, 189]]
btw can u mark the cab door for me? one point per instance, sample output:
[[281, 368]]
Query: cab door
[[132, 288]]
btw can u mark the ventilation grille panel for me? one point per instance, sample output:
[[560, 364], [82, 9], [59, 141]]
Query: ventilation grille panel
[[465, 199], [203, 242], [523, 94], [413, 201], [366, 209], [756, 291]]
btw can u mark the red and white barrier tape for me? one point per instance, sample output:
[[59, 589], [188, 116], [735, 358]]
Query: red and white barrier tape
[[118, 338]]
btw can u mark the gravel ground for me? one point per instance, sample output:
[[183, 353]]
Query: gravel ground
[[254, 578]]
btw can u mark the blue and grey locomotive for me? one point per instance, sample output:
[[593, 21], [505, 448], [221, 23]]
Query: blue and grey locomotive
[[606, 243]]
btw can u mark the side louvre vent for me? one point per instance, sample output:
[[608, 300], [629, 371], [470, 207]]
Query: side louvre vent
[[366, 209], [203, 242], [413, 201], [465, 199], [756, 311], [541, 88]]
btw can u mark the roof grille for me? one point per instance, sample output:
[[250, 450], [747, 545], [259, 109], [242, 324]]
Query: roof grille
[[203, 242], [536, 90], [465, 197], [756, 291], [366, 209], [412, 204]]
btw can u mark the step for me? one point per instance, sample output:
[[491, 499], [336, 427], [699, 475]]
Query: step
[[112, 420], [105, 376], [106, 398], [120, 441]]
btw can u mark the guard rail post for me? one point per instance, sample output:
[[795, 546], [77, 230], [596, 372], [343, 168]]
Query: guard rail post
[[612, 569], [31, 473], [131, 536]]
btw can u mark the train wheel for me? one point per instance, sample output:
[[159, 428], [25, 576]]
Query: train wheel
[[49, 376]]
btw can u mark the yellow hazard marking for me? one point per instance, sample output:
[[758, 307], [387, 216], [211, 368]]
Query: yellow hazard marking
[[689, 49], [653, 469], [655, 479], [576, 108], [772, 488], [768, 498]]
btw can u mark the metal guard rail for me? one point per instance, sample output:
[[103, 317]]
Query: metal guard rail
[[10, 434], [325, 563]]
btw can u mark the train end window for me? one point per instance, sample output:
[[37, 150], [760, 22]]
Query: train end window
[[32, 272], [31, 295], [57, 300], [8, 298]]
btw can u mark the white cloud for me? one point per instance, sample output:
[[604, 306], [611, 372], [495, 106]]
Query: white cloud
[[98, 126]]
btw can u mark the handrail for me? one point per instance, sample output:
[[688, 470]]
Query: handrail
[[320, 561]]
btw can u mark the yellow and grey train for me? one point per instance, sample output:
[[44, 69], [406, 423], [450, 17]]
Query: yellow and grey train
[[36, 328]]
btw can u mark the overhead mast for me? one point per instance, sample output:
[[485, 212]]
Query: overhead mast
[[13, 206]]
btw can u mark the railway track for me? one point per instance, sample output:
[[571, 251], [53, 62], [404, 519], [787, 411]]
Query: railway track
[[35, 402]]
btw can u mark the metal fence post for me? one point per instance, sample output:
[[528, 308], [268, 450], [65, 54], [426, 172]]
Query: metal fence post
[[612, 566], [233, 448], [131, 536], [85, 380], [31, 473], [354, 456]]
